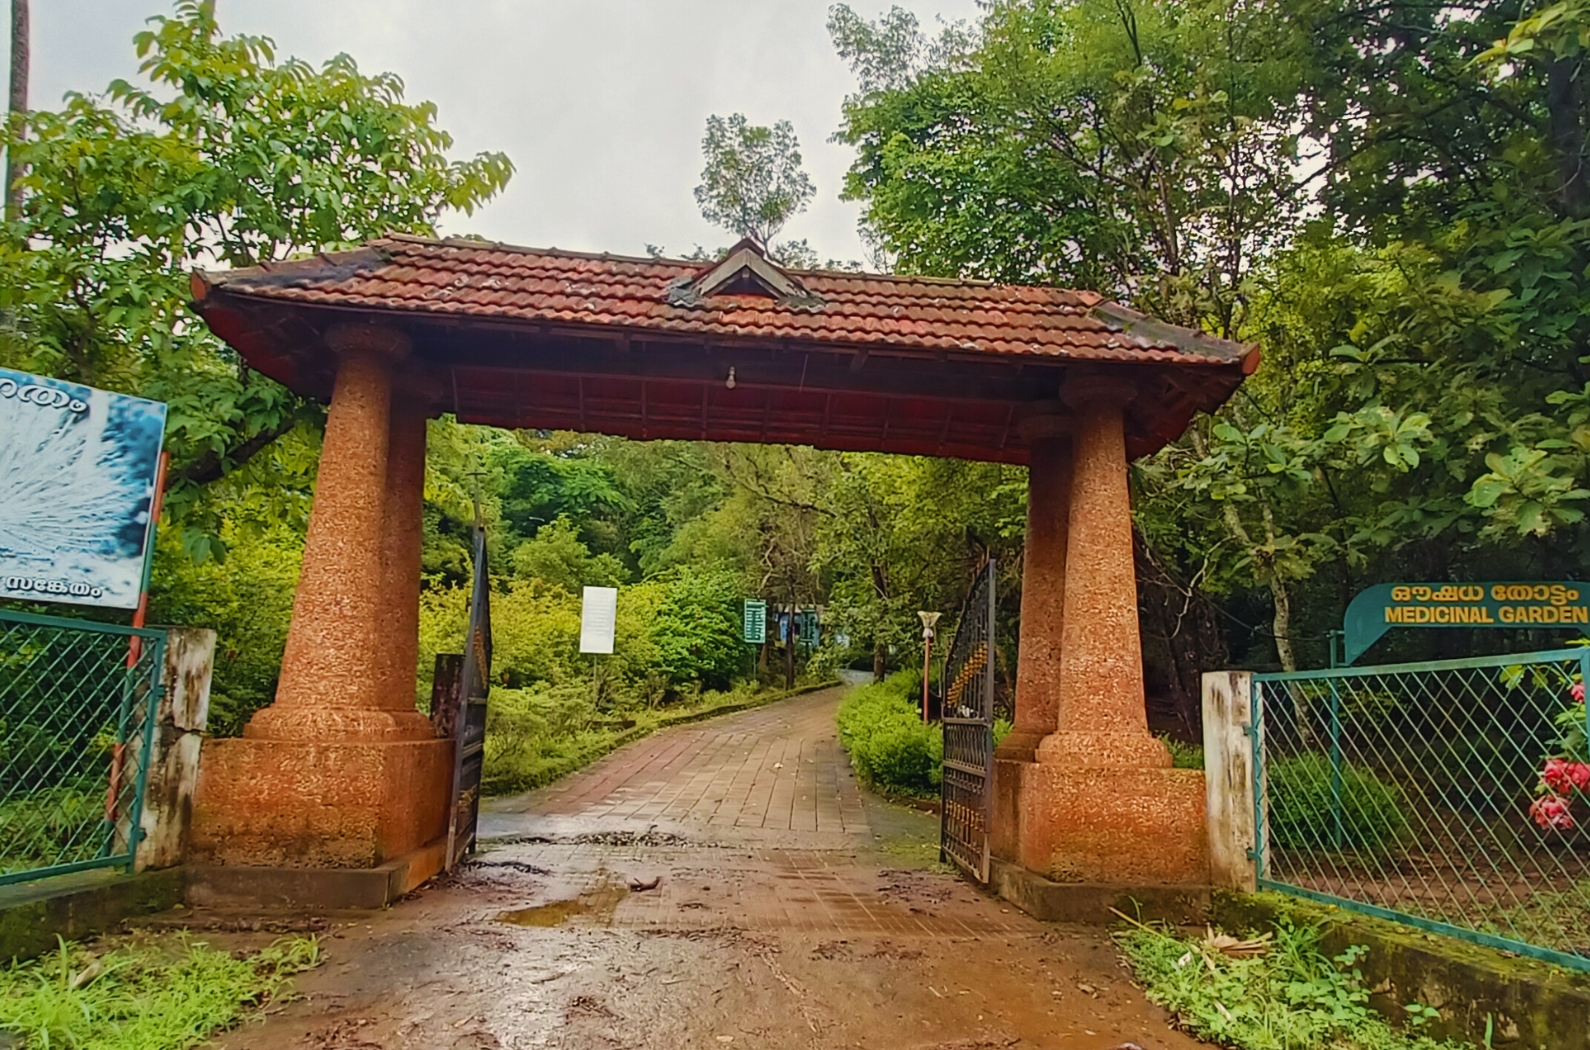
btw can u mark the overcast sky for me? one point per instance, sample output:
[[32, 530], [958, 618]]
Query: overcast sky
[[601, 104]]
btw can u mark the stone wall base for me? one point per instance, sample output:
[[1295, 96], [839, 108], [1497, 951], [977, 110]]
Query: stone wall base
[[1097, 904], [1126, 826], [290, 804]]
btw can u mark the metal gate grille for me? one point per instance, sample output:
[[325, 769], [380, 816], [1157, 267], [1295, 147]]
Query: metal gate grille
[[966, 791], [1449, 795], [77, 705]]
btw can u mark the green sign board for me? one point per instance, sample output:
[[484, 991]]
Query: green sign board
[[808, 627], [1378, 609], [755, 621]]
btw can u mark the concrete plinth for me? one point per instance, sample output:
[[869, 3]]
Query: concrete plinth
[[1122, 826], [337, 804]]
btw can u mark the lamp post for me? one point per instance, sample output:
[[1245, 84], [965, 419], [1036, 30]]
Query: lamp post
[[928, 620]]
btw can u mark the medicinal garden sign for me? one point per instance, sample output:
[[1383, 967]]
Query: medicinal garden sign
[[1376, 610], [77, 470]]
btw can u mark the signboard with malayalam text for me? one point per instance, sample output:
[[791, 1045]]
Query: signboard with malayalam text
[[1514, 604], [754, 622], [77, 481]]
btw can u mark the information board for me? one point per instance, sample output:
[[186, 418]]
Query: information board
[[77, 481], [754, 621], [598, 618]]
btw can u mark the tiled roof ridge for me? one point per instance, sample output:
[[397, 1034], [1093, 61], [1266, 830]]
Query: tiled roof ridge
[[705, 264]]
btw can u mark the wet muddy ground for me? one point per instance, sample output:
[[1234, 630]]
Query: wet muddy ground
[[720, 885]]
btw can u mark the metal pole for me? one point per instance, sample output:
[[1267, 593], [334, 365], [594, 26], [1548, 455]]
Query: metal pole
[[1338, 834], [927, 664]]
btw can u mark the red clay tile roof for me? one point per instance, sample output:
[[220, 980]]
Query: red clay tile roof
[[483, 280]]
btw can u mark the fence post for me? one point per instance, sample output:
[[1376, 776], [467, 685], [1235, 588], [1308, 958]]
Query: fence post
[[180, 719], [1228, 778]]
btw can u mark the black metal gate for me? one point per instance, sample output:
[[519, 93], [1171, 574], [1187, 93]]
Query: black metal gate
[[966, 790], [469, 725]]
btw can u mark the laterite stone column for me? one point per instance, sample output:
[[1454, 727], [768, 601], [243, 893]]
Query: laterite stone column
[[403, 535], [1101, 803], [342, 770], [1043, 587]]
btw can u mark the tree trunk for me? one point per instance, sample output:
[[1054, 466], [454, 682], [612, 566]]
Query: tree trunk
[[880, 661], [18, 105], [1567, 134]]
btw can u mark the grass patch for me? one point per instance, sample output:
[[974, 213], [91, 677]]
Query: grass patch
[[533, 737], [1291, 996], [164, 993]]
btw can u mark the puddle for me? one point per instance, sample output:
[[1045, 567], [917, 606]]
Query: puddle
[[599, 904]]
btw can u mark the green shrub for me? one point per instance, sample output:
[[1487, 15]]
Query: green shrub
[[881, 726], [1302, 812], [1184, 755], [1291, 997]]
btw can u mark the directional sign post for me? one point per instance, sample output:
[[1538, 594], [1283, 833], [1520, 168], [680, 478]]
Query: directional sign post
[[1507, 604]]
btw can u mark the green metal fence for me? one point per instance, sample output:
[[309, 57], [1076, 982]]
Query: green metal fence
[[1452, 796], [77, 714]]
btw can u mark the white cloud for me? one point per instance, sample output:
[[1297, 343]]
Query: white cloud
[[600, 103]]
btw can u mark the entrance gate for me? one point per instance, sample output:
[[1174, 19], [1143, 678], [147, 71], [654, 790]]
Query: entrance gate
[[458, 705], [966, 789]]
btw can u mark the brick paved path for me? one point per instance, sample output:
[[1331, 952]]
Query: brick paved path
[[775, 775]]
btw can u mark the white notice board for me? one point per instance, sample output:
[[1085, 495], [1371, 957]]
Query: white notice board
[[598, 612]]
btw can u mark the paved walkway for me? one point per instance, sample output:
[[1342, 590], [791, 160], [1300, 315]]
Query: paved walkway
[[721, 885], [774, 769]]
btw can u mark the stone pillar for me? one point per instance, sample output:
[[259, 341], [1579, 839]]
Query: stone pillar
[[1043, 585], [342, 771], [1100, 804], [336, 670], [1101, 720], [404, 531]]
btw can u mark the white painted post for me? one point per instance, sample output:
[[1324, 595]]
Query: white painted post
[[174, 759], [1228, 778]]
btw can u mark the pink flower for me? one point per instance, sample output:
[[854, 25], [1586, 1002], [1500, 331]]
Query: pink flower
[[1551, 812], [1564, 777], [1577, 692]]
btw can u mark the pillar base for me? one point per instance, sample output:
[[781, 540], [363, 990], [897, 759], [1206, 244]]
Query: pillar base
[[1117, 826], [1019, 746], [315, 723], [1103, 750], [331, 804]]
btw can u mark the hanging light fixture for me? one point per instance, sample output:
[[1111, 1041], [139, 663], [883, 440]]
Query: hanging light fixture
[[729, 382]]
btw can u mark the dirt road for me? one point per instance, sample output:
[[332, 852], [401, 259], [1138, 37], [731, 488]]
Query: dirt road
[[789, 910]]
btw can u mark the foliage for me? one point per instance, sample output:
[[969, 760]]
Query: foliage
[[1565, 776], [752, 183], [1289, 997], [224, 155], [165, 993], [1184, 755], [555, 555], [247, 599], [1392, 203], [890, 746], [1303, 806], [51, 826]]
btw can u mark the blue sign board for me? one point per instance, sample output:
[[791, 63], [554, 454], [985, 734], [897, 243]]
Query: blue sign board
[[77, 481]]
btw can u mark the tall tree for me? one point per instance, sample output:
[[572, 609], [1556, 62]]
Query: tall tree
[[225, 156], [752, 183]]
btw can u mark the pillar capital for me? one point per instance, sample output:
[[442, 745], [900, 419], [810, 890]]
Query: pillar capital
[[1044, 420], [1097, 391], [383, 341]]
